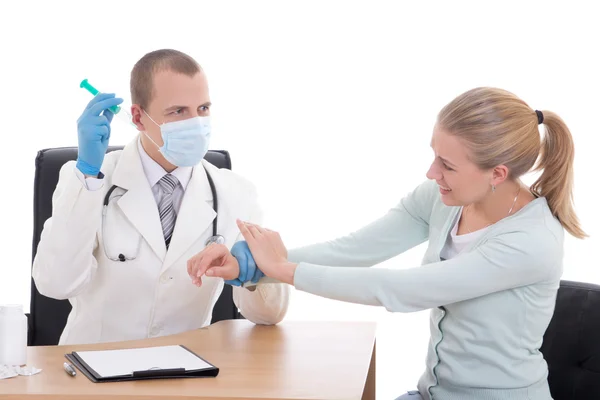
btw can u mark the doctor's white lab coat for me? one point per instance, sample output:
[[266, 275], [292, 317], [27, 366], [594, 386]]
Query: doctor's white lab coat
[[151, 295]]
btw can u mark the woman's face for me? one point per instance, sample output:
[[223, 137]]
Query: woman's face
[[460, 181]]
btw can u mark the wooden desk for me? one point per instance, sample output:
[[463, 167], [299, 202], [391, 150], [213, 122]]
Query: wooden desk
[[293, 360]]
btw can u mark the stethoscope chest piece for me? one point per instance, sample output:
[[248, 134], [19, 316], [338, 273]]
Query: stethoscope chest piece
[[218, 239]]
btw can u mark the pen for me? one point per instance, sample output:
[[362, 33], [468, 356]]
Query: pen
[[69, 369]]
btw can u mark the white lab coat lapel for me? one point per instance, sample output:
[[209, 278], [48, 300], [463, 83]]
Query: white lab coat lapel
[[138, 203], [195, 217]]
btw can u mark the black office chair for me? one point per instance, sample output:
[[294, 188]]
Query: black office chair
[[572, 343], [48, 317]]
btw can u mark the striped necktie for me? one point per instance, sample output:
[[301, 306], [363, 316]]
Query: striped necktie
[[167, 183]]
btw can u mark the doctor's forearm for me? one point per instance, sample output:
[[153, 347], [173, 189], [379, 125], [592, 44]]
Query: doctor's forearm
[[64, 262], [267, 305]]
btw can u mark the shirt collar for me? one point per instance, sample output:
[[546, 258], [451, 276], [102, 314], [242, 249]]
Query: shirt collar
[[154, 172]]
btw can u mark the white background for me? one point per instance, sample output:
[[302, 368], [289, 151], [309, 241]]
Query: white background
[[326, 106]]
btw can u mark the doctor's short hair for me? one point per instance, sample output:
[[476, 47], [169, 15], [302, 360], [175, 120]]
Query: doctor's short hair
[[498, 128], [142, 75]]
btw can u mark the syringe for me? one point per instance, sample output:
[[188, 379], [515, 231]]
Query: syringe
[[118, 111]]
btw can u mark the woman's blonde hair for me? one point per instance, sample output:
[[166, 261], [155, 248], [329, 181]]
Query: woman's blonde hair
[[498, 128]]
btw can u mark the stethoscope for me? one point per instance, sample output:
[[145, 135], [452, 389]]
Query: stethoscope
[[215, 238]]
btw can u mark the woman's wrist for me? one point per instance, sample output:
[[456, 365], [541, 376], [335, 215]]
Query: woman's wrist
[[286, 272]]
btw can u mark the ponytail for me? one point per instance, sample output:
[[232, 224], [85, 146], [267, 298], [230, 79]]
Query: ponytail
[[556, 181]]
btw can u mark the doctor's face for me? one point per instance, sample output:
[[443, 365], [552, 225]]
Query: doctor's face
[[460, 181], [175, 97]]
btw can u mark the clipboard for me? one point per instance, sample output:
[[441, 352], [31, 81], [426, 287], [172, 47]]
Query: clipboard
[[91, 367]]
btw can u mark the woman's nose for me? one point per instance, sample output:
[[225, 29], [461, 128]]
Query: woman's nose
[[434, 173]]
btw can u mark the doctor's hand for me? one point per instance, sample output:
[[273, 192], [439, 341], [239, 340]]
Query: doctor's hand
[[93, 132], [218, 258], [269, 252]]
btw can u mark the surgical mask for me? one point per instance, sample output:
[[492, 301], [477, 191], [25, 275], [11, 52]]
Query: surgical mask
[[185, 142]]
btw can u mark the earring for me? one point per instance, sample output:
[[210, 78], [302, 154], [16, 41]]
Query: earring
[[493, 188]]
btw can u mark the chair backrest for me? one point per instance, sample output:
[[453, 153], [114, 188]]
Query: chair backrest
[[572, 343], [48, 317]]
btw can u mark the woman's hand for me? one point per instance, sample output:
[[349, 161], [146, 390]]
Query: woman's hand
[[269, 252]]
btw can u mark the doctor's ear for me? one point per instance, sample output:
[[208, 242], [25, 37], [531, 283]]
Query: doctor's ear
[[136, 114]]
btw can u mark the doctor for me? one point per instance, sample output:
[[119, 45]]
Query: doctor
[[125, 224]]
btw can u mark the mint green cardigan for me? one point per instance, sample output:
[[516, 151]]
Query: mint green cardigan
[[490, 305]]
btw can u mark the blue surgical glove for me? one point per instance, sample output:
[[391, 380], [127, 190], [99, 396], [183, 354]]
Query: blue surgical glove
[[248, 269], [93, 132]]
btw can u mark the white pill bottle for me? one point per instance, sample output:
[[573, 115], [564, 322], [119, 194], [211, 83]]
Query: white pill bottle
[[13, 335]]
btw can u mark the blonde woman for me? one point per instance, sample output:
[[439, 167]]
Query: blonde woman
[[492, 268]]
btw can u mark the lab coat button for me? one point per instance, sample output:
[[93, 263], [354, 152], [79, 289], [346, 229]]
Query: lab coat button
[[165, 279], [156, 330]]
